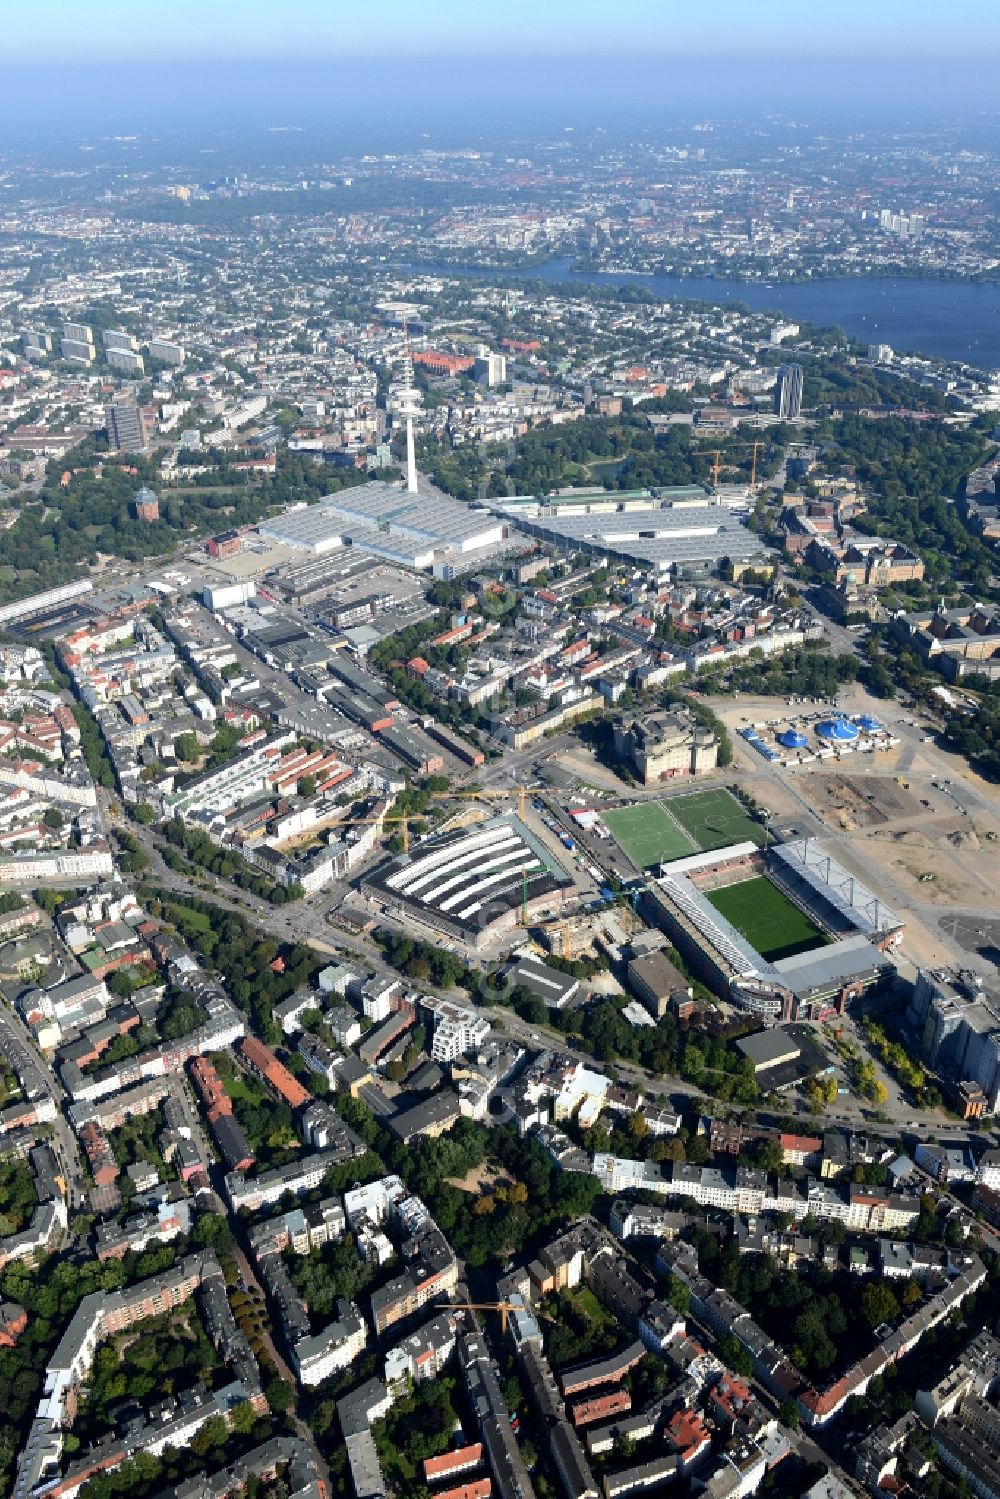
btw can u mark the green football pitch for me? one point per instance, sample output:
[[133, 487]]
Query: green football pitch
[[766, 918], [648, 834], [715, 819], [653, 833]]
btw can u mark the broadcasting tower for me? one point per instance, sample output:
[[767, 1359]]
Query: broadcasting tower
[[407, 404]]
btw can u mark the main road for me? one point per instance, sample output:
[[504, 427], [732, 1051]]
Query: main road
[[307, 922]]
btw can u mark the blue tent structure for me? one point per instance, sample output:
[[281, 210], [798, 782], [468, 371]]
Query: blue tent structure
[[869, 724], [838, 730], [792, 739]]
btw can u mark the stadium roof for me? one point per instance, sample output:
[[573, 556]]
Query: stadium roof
[[731, 946], [809, 860], [836, 964], [822, 968], [707, 857]]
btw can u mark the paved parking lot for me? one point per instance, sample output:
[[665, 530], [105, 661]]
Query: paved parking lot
[[975, 934]]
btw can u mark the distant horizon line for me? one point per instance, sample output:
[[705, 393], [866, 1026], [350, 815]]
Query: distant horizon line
[[647, 58]]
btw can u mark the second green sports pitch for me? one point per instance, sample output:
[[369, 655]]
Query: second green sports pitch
[[766, 918], [653, 833]]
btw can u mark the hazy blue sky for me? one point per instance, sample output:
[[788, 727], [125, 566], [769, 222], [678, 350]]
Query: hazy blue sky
[[193, 30]]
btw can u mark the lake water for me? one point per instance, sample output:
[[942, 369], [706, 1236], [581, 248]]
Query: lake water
[[945, 319]]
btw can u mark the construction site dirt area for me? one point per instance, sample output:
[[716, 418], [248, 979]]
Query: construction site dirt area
[[916, 823], [947, 864], [860, 802]]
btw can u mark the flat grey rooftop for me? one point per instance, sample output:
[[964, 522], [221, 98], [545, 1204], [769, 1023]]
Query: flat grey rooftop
[[822, 966], [660, 533]]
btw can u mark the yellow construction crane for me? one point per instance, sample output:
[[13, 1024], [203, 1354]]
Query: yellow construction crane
[[521, 792], [404, 818], [563, 929], [717, 465]]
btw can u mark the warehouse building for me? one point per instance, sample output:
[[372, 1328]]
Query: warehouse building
[[687, 533], [474, 883], [419, 530], [548, 984], [658, 983], [783, 1056]]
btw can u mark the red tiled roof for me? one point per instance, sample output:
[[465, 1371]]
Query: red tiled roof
[[455, 1461]]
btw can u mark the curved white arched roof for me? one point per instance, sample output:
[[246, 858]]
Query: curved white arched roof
[[509, 856], [468, 857], [530, 863], [430, 861]]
